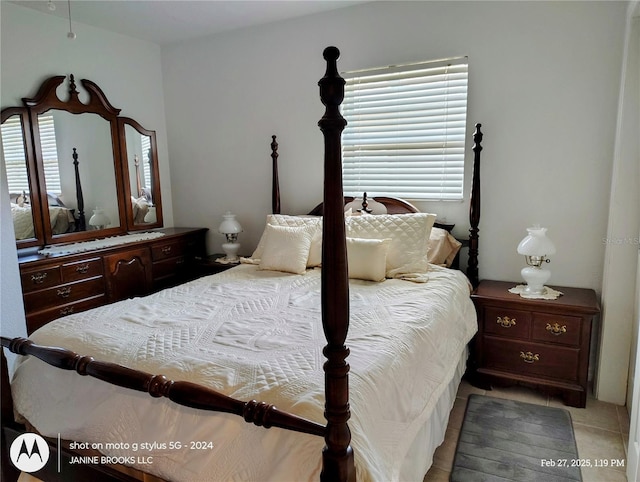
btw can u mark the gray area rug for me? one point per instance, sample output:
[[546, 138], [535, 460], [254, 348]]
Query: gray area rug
[[504, 440]]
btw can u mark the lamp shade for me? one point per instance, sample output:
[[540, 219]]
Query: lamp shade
[[99, 219], [536, 243], [229, 225]]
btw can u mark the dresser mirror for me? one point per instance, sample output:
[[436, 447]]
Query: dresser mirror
[[69, 177], [140, 154], [78, 172], [17, 154]]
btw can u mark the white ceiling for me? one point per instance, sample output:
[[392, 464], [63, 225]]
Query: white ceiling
[[167, 21]]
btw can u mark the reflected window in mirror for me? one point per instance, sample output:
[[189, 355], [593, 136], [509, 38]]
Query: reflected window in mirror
[[140, 156], [17, 156], [77, 154], [49, 147]]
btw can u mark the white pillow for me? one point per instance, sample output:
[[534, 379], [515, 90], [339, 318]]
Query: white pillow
[[286, 248], [367, 258], [315, 251], [409, 234]]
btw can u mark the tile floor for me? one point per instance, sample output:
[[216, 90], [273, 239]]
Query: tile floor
[[601, 431]]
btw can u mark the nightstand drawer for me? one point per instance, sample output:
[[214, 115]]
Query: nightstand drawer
[[507, 322], [531, 359], [557, 329]]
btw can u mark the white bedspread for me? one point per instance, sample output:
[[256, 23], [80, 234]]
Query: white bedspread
[[255, 334]]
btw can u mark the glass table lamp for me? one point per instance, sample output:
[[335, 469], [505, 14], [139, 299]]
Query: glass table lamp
[[230, 228], [99, 220], [535, 247]]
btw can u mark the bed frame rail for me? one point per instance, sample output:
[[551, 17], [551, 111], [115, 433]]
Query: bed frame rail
[[181, 392]]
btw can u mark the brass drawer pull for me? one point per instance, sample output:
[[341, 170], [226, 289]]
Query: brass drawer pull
[[66, 311], [556, 329], [64, 292], [166, 249], [82, 269], [38, 278], [529, 357], [506, 322]]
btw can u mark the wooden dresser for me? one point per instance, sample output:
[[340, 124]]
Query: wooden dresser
[[60, 285], [540, 343]]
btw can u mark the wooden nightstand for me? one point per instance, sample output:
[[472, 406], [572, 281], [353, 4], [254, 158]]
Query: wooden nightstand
[[209, 265], [540, 343]]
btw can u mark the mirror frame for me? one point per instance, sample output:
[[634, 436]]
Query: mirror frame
[[47, 99], [34, 198], [156, 197]]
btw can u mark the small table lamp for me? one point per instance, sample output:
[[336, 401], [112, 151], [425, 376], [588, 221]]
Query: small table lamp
[[536, 247], [99, 220], [230, 228]]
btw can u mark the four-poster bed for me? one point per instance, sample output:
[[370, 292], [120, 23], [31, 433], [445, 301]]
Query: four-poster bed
[[407, 340]]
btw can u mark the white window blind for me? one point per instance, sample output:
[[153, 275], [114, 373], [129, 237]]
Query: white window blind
[[14, 155], [405, 135], [49, 153], [145, 142]]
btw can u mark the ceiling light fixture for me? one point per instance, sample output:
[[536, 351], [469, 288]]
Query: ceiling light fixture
[[51, 6], [70, 35]]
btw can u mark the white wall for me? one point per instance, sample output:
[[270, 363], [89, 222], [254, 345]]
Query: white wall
[[543, 77], [621, 253], [34, 46]]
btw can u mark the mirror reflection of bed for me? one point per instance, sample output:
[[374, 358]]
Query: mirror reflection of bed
[[338, 328]]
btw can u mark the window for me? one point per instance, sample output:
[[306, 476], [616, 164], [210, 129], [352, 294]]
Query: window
[[406, 127]]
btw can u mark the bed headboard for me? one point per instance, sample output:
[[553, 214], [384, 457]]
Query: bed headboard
[[399, 206]]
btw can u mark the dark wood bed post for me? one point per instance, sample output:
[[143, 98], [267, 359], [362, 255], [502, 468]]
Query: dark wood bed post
[[275, 188], [82, 225], [337, 455], [474, 209]]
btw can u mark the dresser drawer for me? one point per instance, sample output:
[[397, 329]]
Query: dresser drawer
[[40, 278], [87, 268], [507, 322], [168, 268], [557, 329], [170, 249], [63, 294], [531, 359], [41, 318]]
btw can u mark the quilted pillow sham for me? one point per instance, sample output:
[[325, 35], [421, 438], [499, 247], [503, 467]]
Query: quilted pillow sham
[[409, 234]]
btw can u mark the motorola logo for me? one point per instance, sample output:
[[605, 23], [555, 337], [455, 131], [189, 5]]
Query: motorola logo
[[29, 452]]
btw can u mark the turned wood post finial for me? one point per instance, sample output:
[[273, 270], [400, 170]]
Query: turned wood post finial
[[474, 209], [275, 187]]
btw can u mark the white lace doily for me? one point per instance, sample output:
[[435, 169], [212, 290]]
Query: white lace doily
[[98, 244], [547, 293]]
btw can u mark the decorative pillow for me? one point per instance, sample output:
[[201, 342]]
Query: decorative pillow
[[367, 258], [286, 248], [315, 251], [409, 234], [442, 247]]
